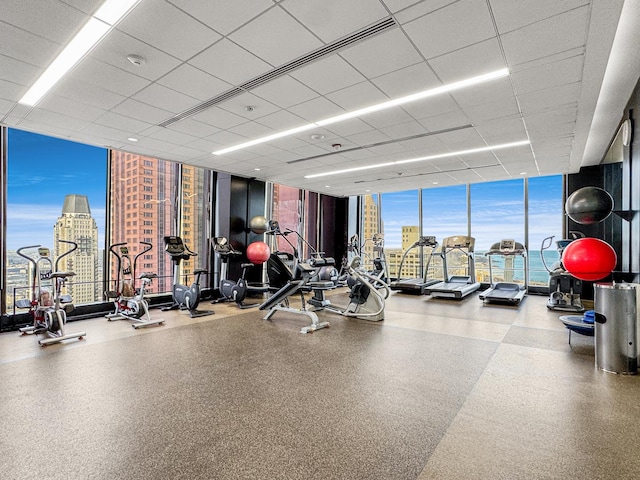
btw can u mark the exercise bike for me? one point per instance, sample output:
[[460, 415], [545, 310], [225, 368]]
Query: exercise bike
[[564, 288], [49, 315], [129, 303], [184, 298], [230, 290]]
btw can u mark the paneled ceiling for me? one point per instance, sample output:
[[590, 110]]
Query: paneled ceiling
[[218, 73]]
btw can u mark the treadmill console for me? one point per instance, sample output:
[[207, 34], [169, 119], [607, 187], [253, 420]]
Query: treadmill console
[[427, 241], [507, 245]]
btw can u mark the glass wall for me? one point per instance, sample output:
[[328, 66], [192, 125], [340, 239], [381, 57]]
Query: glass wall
[[143, 209], [545, 220], [401, 220], [56, 192], [444, 214], [286, 209], [497, 213]]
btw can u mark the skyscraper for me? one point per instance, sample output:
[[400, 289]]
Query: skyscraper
[[77, 225]]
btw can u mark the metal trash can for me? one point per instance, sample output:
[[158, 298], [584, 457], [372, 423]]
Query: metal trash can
[[616, 327]]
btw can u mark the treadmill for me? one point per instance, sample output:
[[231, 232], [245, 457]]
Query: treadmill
[[509, 293], [456, 286], [416, 286]]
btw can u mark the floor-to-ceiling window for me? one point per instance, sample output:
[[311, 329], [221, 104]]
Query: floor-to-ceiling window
[[497, 213], [286, 210], [401, 220], [545, 220], [444, 214], [56, 191]]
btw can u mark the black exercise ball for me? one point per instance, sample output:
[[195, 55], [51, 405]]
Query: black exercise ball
[[589, 205]]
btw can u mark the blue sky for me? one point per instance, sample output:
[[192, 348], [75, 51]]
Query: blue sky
[[41, 172]]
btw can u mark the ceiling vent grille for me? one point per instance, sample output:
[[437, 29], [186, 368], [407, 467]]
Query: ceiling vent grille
[[334, 47]]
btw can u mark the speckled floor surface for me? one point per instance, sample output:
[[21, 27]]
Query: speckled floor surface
[[441, 389]]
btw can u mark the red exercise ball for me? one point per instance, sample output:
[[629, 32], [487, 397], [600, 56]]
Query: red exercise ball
[[258, 252], [589, 259]]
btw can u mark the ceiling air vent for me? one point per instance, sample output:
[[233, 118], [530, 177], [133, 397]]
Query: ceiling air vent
[[321, 52]]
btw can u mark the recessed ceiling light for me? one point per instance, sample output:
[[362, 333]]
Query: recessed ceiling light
[[523, 173], [435, 183], [132, 139], [257, 169], [317, 136], [327, 186], [371, 109]]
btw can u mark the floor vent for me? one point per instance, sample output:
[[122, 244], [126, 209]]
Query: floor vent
[[329, 49]]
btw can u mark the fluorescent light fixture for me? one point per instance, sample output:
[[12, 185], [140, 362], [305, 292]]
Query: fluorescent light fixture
[[421, 159], [373, 108], [91, 33], [112, 11]]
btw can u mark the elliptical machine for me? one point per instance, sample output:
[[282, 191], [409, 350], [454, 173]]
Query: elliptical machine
[[129, 303], [564, 288], [184, 298], [49, 315], [230, 290]]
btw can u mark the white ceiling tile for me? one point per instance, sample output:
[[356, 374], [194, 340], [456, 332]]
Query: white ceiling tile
[[317, 109], [416, 10], [349, 127], [259, 107], [556, 34], [284, 92], [432, 107], [56, 20], [5, 106], [193, 127], [172, 136], [116, 46], [229, 62], [194, 82], [455, 26], [549, 75], [455, 118], [19, 44], [71, 108], [281, 120], [252, 130], [109, 133], [549, 99], [477, 59], [88, 94], [358, 96], [169, 23], [45, 117], [121, 122], [386, 118], [219, 118], [109, 77], [328, 74], [271, 37], [17, 72], [224, 16], [512, 15], [11, 91], [382, 54], [333, 19], [406, 81], [491, 110], [488, 92], [165, 98], [142, 111]]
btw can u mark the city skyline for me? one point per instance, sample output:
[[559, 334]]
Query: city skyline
[[42, 171]]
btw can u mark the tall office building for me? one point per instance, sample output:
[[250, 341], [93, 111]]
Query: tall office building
[[142, 210], [77, 225]]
